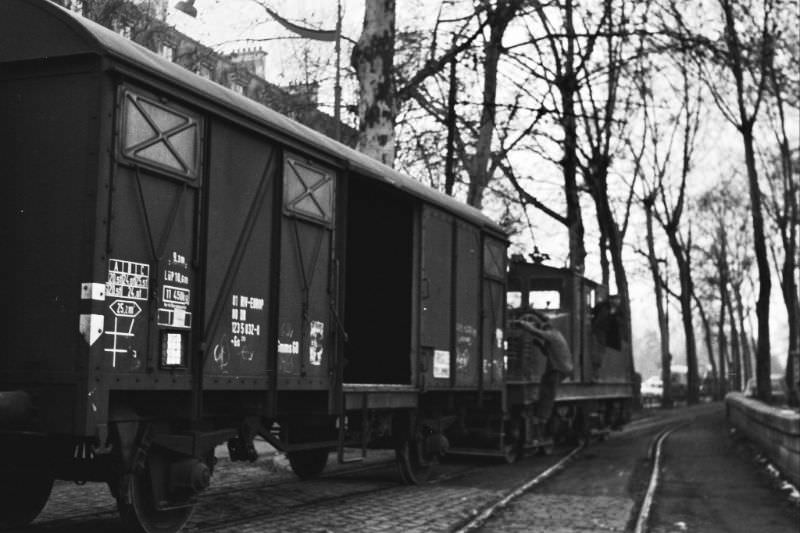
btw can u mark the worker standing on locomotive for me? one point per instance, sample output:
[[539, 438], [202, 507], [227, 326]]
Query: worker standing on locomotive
[[559, 359]]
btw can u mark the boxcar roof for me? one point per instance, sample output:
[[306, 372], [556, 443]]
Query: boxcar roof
[[35, 29]]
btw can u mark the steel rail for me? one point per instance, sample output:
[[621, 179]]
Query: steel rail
[[647, 503], [488, 511]]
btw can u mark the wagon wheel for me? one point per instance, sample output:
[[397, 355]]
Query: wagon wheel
[[510, 453], [138, 509], [414, 463], [308, 463], [547, 449], [512, 445], [23, 495], [580, 429]]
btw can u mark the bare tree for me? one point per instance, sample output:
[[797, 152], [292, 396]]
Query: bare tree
[[707, 335], [744, 53], [726, 247], [668, 206], [661, 297], [373, 61], [783, 198]]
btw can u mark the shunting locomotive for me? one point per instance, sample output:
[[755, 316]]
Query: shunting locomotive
[[186, 268]]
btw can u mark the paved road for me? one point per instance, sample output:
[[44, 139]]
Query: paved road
[[597, 493], [711, 484]]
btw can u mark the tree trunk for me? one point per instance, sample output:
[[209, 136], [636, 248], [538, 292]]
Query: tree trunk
[[685, 300], [747, 356], [736, 355], [449, 163], [479, 171], [709, 347], [722, 343], [745, 126], [567, 85], [373, 61], [763, 355], [663, 325]]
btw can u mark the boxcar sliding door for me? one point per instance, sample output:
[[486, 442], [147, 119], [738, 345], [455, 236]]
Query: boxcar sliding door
[[494, 302], [304, 320], [150, 293], [243, 171], [436, 298]]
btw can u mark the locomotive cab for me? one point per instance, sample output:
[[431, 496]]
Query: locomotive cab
[[597, 393]]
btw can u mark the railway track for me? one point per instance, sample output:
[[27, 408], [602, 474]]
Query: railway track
[[479, 520], [248, 495], [464, 495], [657, 458]]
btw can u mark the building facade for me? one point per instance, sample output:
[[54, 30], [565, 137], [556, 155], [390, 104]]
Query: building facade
[[243, 71]]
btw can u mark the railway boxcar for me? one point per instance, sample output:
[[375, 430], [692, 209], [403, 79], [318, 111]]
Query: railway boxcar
[[185, 268]]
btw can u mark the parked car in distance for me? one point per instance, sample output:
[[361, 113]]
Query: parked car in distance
[[652, 387]]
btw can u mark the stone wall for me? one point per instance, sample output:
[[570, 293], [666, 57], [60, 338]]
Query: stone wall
[[776, 431]]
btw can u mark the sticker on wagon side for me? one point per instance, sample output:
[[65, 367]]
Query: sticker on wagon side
[[316, 342], [441, 364]]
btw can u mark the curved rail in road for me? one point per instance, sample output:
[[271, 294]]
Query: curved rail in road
[[644, 510], [488, 511]]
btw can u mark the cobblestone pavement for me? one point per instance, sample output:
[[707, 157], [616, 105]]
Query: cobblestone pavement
[[595, 492], [266, 496]]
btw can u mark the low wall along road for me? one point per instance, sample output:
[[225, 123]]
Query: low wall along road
[[775, 430]]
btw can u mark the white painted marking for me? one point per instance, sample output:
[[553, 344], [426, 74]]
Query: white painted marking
[[116, 334], [93, 291], [128, 279], [125, 308], [91, 327]]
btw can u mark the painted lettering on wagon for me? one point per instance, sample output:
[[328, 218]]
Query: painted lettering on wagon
[[245, 312], [127, 279], [176, 296]]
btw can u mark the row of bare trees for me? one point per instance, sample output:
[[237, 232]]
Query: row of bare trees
[[616, 97]]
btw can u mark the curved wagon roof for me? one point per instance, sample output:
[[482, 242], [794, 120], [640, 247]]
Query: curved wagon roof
[[37, 29]]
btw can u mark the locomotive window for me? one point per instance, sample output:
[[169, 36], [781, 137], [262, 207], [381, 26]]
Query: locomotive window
[[514, 299], [160, 135], [545, 299], [308, 190]]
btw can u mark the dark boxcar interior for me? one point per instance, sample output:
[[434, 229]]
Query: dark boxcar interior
[[45, 232], [378, 284]]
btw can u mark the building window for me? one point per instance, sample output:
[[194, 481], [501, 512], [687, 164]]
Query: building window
[[125, 30], [166, 51], [122, 27]]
